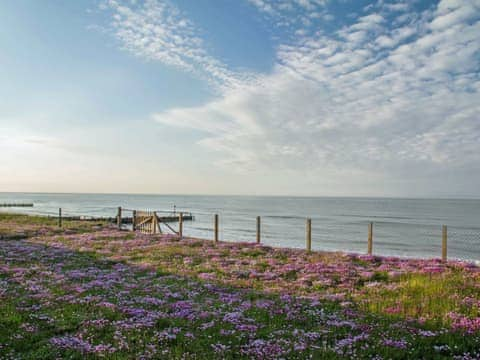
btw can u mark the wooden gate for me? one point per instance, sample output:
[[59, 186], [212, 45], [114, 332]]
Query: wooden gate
[[146, 222]]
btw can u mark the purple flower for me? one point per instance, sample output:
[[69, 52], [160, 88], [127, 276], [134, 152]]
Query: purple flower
[[399, 344]]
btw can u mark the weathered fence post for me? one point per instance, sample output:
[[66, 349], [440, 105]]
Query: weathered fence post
[[134, 220], [215, 228], [154, 222], [59, 217], [370, 238], [444, 242], [258, 229], [119, 217], [308, 235], [150, 223], [180, 225]]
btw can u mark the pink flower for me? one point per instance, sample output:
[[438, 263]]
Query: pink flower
[[207, 276]]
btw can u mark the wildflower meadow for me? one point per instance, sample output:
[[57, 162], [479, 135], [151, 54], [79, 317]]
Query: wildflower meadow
[[90, 291]]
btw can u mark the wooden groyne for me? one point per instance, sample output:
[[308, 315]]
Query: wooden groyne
[[125, 219], [16, 205]]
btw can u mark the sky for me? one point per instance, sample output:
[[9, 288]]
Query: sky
[[248, 97]]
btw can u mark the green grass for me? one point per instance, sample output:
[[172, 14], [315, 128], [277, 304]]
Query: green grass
[[21, 225], [62, 285], [423, 295]]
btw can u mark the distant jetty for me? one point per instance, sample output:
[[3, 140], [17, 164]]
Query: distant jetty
[[16, 205], [125, 220]]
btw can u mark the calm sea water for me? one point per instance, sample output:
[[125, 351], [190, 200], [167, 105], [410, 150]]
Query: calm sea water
[[402, 227]]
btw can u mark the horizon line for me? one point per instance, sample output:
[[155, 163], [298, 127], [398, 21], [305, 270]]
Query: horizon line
[[463, 197]]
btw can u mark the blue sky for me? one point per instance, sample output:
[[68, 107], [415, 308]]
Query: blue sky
[[293, 97]]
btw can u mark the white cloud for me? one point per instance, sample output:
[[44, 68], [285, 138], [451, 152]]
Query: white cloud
[[342, 103], [455, 13], [298, 15], [157, 30], [392, 94]]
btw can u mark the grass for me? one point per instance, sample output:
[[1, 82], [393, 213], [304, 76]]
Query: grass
[[426, 296], [96, 292], [21, 225]]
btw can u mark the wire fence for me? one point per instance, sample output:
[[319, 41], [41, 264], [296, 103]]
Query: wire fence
[[464, 242], [389, 238]]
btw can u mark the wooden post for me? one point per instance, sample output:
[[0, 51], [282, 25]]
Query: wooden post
[[134, 220], [154, 222], [215, 228], [308, 237], [444, 243], [180, 225], [258, 229], [149, 224], [149, 228], [370, 238], [59, 217], [119, 217]]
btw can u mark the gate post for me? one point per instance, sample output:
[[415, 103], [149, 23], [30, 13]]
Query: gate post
[[154, 222], [180, 225]]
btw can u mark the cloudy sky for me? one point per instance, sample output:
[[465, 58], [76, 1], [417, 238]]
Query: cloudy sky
[[289, 97]]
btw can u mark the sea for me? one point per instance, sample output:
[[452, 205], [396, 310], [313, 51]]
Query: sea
[[401, 227]]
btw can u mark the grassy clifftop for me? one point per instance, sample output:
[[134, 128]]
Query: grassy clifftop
[[96, 292]]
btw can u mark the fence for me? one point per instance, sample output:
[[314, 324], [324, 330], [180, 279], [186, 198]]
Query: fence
[[380, 237], [424, 240]]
